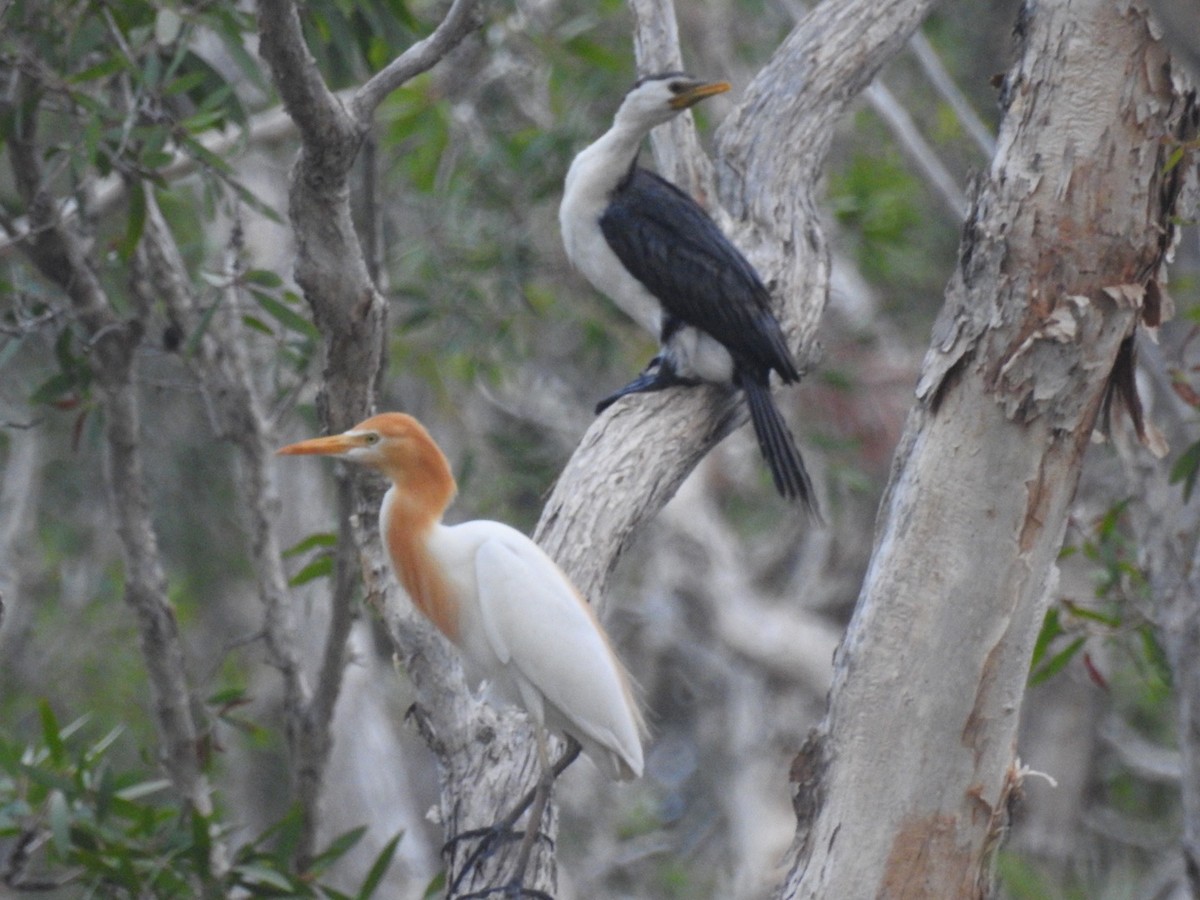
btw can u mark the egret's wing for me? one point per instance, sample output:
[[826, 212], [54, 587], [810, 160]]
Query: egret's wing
[[670, 244], [538, 625]]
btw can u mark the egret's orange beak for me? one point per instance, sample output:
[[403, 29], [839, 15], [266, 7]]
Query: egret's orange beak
[[334, 445], [698, 92]]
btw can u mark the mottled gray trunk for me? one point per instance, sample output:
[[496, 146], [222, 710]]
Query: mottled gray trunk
[[905, 791]]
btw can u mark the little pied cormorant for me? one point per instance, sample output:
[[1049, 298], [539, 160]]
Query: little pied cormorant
[[656, 253]]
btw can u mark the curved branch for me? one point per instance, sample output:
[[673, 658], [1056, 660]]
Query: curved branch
[[463, 17], [794, 101], [323, 121]]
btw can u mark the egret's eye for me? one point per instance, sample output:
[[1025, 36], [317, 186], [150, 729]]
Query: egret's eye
[[676, 87], [371, 439]]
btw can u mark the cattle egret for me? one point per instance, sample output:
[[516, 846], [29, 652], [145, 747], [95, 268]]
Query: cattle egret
[[514, 615]]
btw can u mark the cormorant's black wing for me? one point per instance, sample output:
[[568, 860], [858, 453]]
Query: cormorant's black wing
[[669, 243]]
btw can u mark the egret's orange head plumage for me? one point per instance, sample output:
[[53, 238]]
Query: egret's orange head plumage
[[397, 445]]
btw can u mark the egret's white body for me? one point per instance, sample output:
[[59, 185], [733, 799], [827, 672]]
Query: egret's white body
[[496, 595]]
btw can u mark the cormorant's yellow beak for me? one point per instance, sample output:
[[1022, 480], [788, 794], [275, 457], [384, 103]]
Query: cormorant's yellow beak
[[698, 92]]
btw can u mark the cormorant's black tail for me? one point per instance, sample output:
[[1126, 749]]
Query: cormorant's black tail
[[777, 446]]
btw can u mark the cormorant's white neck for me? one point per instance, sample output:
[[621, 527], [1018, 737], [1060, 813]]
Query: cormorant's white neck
[[600, 167]]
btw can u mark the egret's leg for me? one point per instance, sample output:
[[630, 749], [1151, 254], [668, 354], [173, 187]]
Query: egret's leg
[[541, 794], [490, 837]]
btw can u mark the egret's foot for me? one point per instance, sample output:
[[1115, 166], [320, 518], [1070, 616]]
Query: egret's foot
[[492, 837], [512, 890]]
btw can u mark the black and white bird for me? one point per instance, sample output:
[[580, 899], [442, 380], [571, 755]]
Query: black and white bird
[[660, 257]]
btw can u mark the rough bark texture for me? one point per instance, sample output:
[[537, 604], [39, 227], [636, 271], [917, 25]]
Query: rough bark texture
[[1059, 256]]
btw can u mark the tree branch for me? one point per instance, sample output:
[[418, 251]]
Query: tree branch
[[485, 759], [463, 17], [60, 255]]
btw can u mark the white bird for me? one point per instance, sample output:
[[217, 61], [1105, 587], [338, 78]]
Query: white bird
[[496, 595], [659, 256]]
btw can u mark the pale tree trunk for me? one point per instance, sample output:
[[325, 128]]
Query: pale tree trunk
[[904, 792]]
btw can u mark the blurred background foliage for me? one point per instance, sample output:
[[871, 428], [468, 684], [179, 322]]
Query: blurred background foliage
[[502, 351]]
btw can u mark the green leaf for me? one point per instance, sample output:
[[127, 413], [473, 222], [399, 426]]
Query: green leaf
[[1156, 656], [202, 844], [257, 324], [1173, 159], [101, 746], [1057, 662], [136, 223], [320, 567], [379, 868], [337, 848], [286, 316], [193, 342], [263, 278], [1186, 469], [1091, 615], [261, 875], [144, 789], [51, 733], [436, 886], [320, 539], [227, 696], [1051, 628], [103, 69]]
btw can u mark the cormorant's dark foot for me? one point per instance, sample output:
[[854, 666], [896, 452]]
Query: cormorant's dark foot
[[658, 375]]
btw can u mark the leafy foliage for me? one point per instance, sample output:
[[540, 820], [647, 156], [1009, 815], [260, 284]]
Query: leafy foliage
[[1117, 614], [73, 818]]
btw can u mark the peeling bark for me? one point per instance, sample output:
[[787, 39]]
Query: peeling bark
[[1062, 240]]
